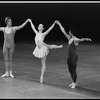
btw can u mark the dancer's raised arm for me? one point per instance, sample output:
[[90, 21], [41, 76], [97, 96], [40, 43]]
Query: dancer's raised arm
[[63, 30], [21, 26], [45, 33], [32, 26]]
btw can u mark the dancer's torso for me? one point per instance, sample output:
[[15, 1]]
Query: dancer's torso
[[9, 36], [39, 38], [72, 47]]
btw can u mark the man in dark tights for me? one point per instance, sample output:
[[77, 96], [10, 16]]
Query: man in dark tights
[[9, 45], [73, 42]]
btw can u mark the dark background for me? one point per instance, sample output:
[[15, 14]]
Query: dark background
[[82, 18]]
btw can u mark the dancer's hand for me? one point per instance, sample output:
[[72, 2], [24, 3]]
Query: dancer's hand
[[88, 39], [29, 20], [69, 31], [57, 22]]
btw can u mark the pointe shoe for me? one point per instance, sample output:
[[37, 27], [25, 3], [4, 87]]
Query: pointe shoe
[[4, 75], [41, 80], [60, 46]]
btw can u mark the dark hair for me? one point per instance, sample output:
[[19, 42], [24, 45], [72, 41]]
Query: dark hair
[[6, 19], [42, 25]]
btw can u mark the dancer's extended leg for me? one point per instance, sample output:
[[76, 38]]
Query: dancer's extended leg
[[54, 46]]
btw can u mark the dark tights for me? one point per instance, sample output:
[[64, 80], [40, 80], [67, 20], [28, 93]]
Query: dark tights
[[72, 64]]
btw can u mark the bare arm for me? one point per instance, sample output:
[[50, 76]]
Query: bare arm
[[33, 27], [45, 33], [77, 40], [63, 30], [2, 29], [84, 39], [21, 26]]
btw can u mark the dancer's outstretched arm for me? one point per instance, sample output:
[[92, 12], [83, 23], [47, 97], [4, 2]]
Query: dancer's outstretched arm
[[21, 26], [1, 28], [45, 33], [84, 39], [77, 40], [32, 26], [63, 30]]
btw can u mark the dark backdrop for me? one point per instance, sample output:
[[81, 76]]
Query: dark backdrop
[[83, 19]]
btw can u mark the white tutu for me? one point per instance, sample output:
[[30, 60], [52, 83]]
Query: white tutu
[[40, 52]]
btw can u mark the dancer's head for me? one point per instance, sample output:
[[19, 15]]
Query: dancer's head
[[8, 21], [40, 27]]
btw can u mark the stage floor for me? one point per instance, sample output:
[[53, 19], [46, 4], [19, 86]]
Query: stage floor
[[27, 68]]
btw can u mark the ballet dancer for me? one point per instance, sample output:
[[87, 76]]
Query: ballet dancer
[[9, 45], [72, 59], [42, 49]]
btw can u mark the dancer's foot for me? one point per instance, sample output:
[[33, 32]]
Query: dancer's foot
[[73, 85], [5, 75], [11, 75], [60, 46], [41, 80]]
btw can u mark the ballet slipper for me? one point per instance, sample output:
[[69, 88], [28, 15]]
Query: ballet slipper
[[74, 85], [4, 75], [71, 84], [60, 46], [11, 75]]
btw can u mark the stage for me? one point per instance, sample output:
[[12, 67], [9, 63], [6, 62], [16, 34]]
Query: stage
[[27, 68]]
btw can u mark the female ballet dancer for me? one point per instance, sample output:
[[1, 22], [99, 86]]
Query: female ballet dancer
[[9, 45], [72, 59], [42, 49]]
